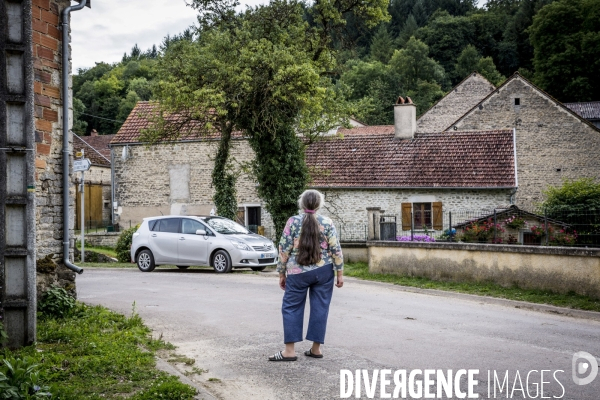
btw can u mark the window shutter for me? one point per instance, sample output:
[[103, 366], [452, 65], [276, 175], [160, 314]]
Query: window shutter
[[406, 210], [438, 216]]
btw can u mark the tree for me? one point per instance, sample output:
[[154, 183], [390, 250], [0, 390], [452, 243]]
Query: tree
[[382, 46], [466, 62], [413, 64], [259, 72], [566, 54], [579, 196]]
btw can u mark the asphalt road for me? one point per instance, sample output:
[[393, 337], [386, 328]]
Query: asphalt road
[[231, 323]]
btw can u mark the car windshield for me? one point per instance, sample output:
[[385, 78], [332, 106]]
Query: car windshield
[[225, 226]]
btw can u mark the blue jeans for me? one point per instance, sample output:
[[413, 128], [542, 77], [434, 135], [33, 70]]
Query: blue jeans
[[319, 283]]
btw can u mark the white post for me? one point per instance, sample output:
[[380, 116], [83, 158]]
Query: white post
[[82, 207]]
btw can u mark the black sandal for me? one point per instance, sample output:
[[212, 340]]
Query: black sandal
[[279, 357], [309, 353]]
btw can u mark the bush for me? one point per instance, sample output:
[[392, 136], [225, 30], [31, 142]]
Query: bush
[[19, 379], [56, 303], [124, 244]]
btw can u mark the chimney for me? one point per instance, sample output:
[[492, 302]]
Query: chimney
[[94, 132], [405, 119]]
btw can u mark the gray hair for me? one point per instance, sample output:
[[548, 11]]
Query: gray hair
[[311, 198]]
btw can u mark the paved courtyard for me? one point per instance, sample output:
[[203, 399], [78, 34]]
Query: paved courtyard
[[231, 323]]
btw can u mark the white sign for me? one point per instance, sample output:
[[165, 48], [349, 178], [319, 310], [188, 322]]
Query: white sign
[[81, 165]]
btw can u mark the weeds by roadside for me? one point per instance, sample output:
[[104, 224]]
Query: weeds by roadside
[[94, 353], [571, 300]]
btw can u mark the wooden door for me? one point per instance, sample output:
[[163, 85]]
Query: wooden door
[[92, 207]]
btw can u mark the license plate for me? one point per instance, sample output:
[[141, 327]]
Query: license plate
[[267, 255]]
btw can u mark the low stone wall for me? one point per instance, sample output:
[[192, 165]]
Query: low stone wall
[[102, 239], [355, 252], [559, 269]]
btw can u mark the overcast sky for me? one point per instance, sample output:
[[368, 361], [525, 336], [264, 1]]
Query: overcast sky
[[111, 27]]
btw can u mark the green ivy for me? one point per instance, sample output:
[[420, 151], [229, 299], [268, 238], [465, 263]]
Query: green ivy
[[223, 180], [280, 168]]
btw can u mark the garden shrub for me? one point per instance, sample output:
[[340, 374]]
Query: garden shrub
[[124, 244], [19, 379]]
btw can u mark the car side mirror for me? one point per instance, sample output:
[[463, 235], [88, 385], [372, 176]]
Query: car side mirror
[[201, 232]]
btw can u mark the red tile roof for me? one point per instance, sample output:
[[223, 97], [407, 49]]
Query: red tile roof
[[89, 152], [437, 160], [589, 110], [367, 130], [141, 117], [100, 143]]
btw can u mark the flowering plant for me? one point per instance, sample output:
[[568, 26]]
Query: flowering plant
[[482, 231], [540, 231], [562, 238], [515, 222], [416, 238]]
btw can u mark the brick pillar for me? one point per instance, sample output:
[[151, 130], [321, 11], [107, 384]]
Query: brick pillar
[[373, 214]]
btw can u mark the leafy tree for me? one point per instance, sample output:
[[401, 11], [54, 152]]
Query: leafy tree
[[413, 64], [258, 72], [382, 46], [470, 60], [408, 30], [487, 68], [580, 195], [566, 54]]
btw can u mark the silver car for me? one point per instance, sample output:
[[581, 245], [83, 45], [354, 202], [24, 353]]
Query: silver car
[[202, 241]]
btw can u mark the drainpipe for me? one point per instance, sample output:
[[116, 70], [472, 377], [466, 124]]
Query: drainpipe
[[65, 131]]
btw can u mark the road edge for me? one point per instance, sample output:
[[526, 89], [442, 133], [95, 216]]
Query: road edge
[[524, 305]]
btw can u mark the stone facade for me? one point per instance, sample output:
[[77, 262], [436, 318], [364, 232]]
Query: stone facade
[[461, 99], [176, 179], [349, 206], [552, 142], [48, 136]]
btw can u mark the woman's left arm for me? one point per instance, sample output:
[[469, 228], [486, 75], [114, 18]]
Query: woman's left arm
[[335, 249], [286, 244]]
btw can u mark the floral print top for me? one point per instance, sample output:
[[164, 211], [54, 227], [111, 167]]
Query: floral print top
[[288, 246]]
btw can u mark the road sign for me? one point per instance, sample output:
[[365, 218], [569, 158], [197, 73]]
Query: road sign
[[81, 165]]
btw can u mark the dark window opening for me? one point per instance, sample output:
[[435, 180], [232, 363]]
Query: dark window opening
[[558, 169], [422, 215], [253, 219], [517, 101]]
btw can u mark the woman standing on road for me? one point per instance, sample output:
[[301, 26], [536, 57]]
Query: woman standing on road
[[309, 258]]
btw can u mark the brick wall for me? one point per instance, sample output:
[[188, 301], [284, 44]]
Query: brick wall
[[48, 136], [552, 143], [461, 99]]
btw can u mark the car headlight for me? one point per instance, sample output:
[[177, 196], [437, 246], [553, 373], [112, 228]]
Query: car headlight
[[240, 245]]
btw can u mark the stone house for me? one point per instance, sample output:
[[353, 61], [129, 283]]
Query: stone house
[[31, 161], [553, 143]]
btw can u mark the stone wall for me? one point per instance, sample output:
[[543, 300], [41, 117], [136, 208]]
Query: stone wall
[[558, 269], [347, 206], [108, 239], [461, 99], [553, 144], [48, 137], [176, 179]]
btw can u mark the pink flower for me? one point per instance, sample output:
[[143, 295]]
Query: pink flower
[[323, 245]]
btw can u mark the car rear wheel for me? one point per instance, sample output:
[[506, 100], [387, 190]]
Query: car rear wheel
[[258, 268], [145, 261], [183, 266], [222, 262]]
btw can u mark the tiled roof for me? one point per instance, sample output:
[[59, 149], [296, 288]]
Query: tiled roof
[[141, 116], [440, 160], [89, 152], [367, 130], [589, 110], [100, 143]]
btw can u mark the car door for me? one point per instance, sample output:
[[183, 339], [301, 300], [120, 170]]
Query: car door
[[163, 240], [193, 249]]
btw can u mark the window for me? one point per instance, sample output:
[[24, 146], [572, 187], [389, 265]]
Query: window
[[190, 226], [170, 225], [517, 101], [153, 224], [422, 215]]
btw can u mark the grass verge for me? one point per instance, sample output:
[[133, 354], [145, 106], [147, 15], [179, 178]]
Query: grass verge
[[106, 250], [570, 300], [95, 353]]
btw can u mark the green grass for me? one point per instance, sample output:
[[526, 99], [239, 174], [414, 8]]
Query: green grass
[[105, 265], [106, 250], [95, 353], [570, 300]]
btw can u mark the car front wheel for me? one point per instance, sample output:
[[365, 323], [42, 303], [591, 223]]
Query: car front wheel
[[145, 261], [222, 262]]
